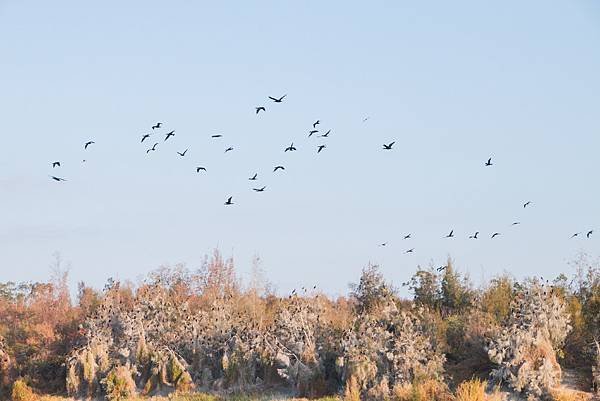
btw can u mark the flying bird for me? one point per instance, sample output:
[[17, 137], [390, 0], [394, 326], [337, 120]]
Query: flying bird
[[489, 162], [366, 118], [278, 168], [589, 233], [198, 169], [290, 148], [383, 244], [451, 235], [88, 143], [229, 202], [182, 154], [411, 250], [316, 123], [311, 132], [407, 236], [320, 148], [229, 149], [170, 134], [494, 235], [156, 126], [57, 178], [253, 178], [259, 109], [526, 204], [153, 148], [325, 135], [216, 136], [441, 268], [516, 223], [55, 164], [276, 100], [259, 189], [389, 146], [575, 235], [474, 236]]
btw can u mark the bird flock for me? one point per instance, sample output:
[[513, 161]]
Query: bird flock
[[313, 131]]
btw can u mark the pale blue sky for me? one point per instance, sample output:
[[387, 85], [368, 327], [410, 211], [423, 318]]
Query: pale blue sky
[[453, 83]]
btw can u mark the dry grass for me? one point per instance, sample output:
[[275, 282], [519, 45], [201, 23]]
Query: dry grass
[[569, 395]]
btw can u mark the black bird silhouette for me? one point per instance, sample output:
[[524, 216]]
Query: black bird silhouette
[[216, 136], [277, 100], [411, 250], [474, 236], [320, 148], [229, 149], [259, 109], [314, 131], [259, 189], [441, 268], [325, 135], [451, 234], [389, 146], [278, 168], [182, 154], [157, 125], [516, 223], [253, 178], [316, 123], [55, 164], [366, 118], [290, 148], [57, 178], [575, 235], [589, 233], [383, 244], [144, 137], [489, 162], [153, 148], [494, 235], [88, 143], [229, 202], [170, 134], [526, 204], [407, 236], [198, 169]]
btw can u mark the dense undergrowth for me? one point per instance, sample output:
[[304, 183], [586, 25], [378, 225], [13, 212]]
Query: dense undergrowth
[[205, 336]]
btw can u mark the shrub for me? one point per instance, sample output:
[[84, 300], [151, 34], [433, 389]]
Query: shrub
[[119, 384], [22, 392]]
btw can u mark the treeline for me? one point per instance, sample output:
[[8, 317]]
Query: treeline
[[204, 330]]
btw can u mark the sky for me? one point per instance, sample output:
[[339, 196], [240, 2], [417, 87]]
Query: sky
[[452, 83]]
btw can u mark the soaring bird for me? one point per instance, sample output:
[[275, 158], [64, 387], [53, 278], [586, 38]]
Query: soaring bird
[[278, 168], [451, 234], [216, 136], [575, 235], [229, 149], [153, 148], [589, 233], [489, 162], [383, 244], [144, 137], [259, 189], [182, 154], [316, 123], [88, 143], [253, 178], [494, 235], [277, 100], [366, 118], [389, 146], [259, 109], [229, 202], [170, 134], [407, 236], [411, 250], [441, 268], [320, 148], [311, 132], [198, 169], [156, 126], [55, 164], [57, 178], [325, 135], [290, 148], [474, 236], [526, 204]]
